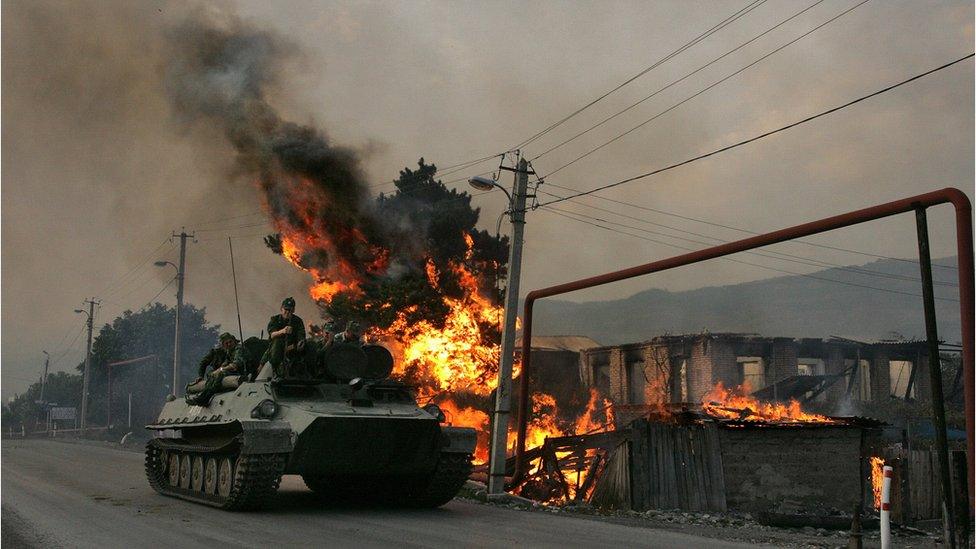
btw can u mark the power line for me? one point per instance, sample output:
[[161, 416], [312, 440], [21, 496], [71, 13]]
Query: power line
[[727, 21], [757, 137], [770, 254], [679, 80], [707, 88], [161, 290], [719, 225], [815, 277], [231, 218], [134, 269]]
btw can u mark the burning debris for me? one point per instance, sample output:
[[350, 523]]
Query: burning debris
[[737, 404]]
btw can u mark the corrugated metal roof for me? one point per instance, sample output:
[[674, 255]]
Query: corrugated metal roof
[[573, 343]]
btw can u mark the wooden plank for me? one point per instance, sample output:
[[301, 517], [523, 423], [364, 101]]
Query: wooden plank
[[717, 472], [639, 463]]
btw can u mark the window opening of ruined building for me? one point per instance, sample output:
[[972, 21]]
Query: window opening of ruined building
[[601, 378], [635, 382], [753, 372], [901, 371], [684, 380]]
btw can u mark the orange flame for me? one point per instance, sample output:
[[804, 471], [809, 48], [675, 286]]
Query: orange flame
[[469, 417], [737, 404], [877, 478]]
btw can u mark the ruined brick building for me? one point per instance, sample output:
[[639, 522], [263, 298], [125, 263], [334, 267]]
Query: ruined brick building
[[688, 366]]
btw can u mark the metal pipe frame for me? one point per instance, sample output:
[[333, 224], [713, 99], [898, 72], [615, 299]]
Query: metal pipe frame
[[964, 248]]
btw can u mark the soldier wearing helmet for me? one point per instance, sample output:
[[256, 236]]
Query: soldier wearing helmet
[[227, 359], [352, 334], [287, 333]]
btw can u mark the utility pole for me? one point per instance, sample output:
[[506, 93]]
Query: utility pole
[[180, 275], [935, 377], [503, 394], [84, 388], [47, 360]]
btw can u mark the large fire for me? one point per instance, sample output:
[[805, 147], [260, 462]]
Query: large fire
[[456, 357], [737, 404]]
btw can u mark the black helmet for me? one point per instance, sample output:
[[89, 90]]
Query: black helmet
[[288, 303]]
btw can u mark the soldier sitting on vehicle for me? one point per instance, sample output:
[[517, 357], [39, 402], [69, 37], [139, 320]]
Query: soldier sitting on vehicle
[[352, 334], [287, 333], [227, 359]]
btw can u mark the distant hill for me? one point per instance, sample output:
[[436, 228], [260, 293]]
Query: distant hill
[[795, 306]]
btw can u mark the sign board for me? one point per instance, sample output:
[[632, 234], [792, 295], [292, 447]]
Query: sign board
[[66, 413]]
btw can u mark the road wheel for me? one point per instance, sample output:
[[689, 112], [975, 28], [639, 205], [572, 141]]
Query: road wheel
[[210, 476], [196, 474], [174, 469], [225, 478], [185, 471]]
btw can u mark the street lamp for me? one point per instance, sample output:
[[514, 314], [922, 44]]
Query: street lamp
[[503, 393], [179, 310]]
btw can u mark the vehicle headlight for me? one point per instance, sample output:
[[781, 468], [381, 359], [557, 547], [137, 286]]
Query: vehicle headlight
[[267, 409], [435, 411]]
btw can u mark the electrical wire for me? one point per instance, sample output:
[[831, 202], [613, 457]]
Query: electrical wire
[[727, 21], [770, 254], [719, 225], [757, 137], [679, 80], [805, 275], [145, 260], [707, 88], [161, 290]]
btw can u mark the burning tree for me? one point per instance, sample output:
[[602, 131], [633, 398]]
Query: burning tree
[[411, 265]]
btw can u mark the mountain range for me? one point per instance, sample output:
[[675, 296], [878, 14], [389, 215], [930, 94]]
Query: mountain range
[[878, 300]]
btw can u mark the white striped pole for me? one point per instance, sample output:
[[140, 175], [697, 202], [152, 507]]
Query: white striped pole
[[886, 508]]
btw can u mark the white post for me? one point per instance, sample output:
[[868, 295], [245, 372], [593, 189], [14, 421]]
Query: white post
[[886, 508]]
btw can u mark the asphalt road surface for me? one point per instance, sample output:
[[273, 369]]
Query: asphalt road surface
[[58, 494]]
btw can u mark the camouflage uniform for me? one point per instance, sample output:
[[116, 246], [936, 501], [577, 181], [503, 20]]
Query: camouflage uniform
[[222, 364], [351, 335], [279, 350]]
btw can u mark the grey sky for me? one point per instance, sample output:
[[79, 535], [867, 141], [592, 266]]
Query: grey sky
[[97, 171]]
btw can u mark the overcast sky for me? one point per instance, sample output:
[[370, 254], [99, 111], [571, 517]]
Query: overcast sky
[[97, 171]]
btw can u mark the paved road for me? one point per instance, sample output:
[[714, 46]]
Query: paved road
[[74, 495]]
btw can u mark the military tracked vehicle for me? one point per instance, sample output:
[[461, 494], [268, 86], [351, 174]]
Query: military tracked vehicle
[[335, 418]]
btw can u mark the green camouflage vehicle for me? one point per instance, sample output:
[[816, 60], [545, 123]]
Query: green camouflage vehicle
[[337, 420]]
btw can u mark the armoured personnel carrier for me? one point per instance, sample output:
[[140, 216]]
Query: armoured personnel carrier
[[337, 420]]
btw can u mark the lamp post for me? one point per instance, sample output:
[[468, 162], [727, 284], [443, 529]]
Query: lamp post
[[503, 392], [179, 310]]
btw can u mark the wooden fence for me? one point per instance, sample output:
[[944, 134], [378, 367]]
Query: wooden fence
[[676, 467]]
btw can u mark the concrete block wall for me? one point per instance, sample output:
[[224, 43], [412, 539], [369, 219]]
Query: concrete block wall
[[817, 466]]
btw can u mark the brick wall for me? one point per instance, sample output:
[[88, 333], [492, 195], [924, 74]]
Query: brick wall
[[699, 370], [781, 362], [816, 466], [618, 376], [880, 376], [725, 368], [923, 386], [834, 364]]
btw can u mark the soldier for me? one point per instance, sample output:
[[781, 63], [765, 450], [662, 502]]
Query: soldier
[[227, 359], [351, 334], [287, 333]]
